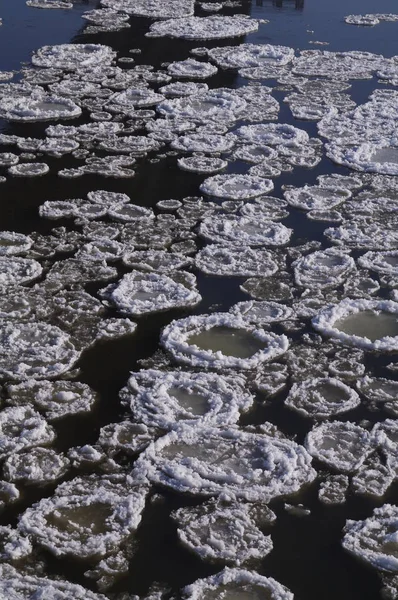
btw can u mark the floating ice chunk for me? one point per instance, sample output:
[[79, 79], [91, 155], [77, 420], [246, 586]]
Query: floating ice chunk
[[373, 478], [100, 250], [38, 107], [323, 269], [72, 271], [333, 490], [272, 134], [244, 231], [127, 437], [385, 435], [29, 170], [205, 461], [8, 159], [12, 243], [107, 198], [37, 466], [73, 56], [191, 69], [222, 531], [141, 293], [364, 234], [267, 288], [217, 260], [13, 546], [336, 180], [219, 105], [167, 399], [56, 399], [200, 142], [372, 157], [236, 187], [183, 88], [135, 96], [374, 540], [251, 55], [49, 4], [316, 197], [321, 398], [342, 65], [136, 145], [170, 9], [367, 20], [18, 271], [204, 28], [23, 428], [221, 340], [380, 262], [86, 518], [202, 164], [341, 446], [156, 260], [254, 154], [8, 495], [261, 313], [369, 324], [127, 213]]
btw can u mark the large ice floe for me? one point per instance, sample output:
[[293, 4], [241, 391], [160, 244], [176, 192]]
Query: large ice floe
[[204, 28], [236, 464], [86, 518], [244, 231], [224, 531], [167, 399], [321, 398], [221, 340], [368, 324], [170, 9], [236, 582], [374, 540], [215, 259], [73, 56]]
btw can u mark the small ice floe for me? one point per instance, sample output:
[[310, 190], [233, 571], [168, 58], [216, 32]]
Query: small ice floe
[[158, 261], [200, 142], [191, 69], [140, 293], [265, 208], [166, 399], [236, 187], [49, 4], [222, 531], [134, 97], [254, 153], [380, 391], [272, 134], [374, 540], [218, 260], [202, 164], [368, 324], [73, 56], [321, 398], [333, 490], [221, 340], [373, 478], [29, 169], [177, 89], [323, 269], [372, 156], [250, 55], [13, 546], [72, 271], [126, 437], [267, 288], [385, 436], [38, 107], [100, 250], [261, 313], [13, 243], [335, 180], [219, 105], [9, 494], [342, 446], [204, 28], [137, 145], [237, 464], [170, 9], [237, 583], [8, 159], [55, 399], [86, 518], [364, 234], [23, 428], [244, 231], [316, 197], [353, 64], [37, 466], [369, 19], [380, 262]]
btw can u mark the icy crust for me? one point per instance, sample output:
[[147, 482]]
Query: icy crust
[[191, 69], [236, 583], [167, 399], [140, 293], [236, 187], [222, 531], [380, 262], [209, 462], [328, 320], [34, 350], [56, 399], [374, 540], [204, 28], [341, 446], [272, 134], [37, 466], [18, 586], [244, 231], [218, 105], [73, 56], [323, 269], [86, 518], [262, 346], [22, 428], [250, 55], [369, 19], [215, 259], [262, 313], [38, 107], [321, 398], [18, 271]]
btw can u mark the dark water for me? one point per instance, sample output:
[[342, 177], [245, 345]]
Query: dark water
[[307, 555]]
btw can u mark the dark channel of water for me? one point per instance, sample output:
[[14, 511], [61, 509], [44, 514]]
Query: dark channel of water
[[307, 555]]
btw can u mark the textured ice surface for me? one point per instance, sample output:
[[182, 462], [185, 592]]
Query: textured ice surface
[[141, 293], [29, 169], [219, 105], [165, 399], [22, 428], [168, 9], [215, 259], [38, 107], [272, 134], [73, 56], [262, 313], [316, 197], [244, 231], [204, 28], [49, 4], [323, 269], [333, 490], [381, 262], [369, 19], [374, 540], [202, 164], [250, 55], [159, 261], [321, 398], [222, 531], [14, 243], [221, 340], [204, 461], [236, 187], [369, 324], [341, 446], [373, 478], [236, 583], [200, 142], [36, 466], [191, 69]]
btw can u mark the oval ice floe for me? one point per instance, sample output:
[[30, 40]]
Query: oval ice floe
[[218, 260], [136, 97], [12, 243], [272, 134], [262, 313], [236, 187], [321, 398], [18, 271], [73, 56], [369, 324], [159, 261], [169, 9], [40, 107], [191, 69], [244, 231], [23, 428], [316, 197], [202, 164], [200, 142], [323, 268], [204, 28], [37, 169], [221, 341], [380, 262], [333, 490], [37, 466], [218, 105], [251, 55], [209, 462], [166, 399]]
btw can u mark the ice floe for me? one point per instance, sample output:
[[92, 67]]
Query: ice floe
[[251, 55], [191, 69], [202, 164], [244, 231], [370, 19], [316, 197], [37, 169], [321, 398], [323, 269], [236, 187], [23, 428], [204, 28], [73, 56], [170, 9], [37, 466], [333, 490], [262, 313], [38, 107], [218, 105], [215, 259]]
